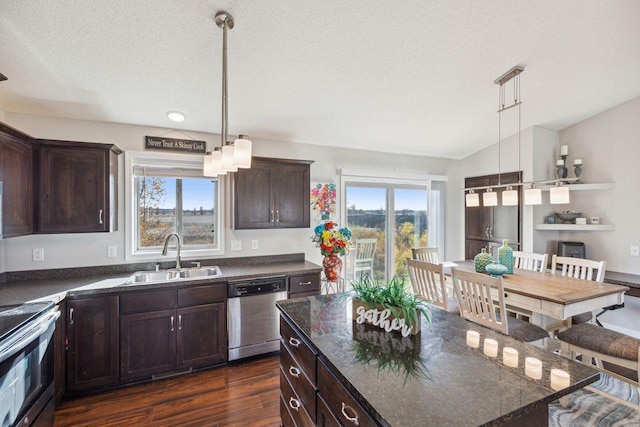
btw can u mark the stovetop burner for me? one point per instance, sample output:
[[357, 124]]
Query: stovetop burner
[[12, 317]]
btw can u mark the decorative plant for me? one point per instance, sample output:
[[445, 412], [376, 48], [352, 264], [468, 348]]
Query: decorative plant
[[332, 239], [393, 296]]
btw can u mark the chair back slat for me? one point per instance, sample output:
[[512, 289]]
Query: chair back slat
[[477, 296], [427, 280], [579, 268], [426, 254], [530, 261]]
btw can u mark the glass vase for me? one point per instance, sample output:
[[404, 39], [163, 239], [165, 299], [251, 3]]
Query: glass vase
[[481, 260], [505, 256]]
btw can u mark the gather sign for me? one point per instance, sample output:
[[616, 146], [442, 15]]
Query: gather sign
[[383, 319]]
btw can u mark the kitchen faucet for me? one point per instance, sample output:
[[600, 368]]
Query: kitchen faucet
[[178, 245]]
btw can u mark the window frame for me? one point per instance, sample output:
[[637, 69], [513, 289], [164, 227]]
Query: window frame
[[168, 161]]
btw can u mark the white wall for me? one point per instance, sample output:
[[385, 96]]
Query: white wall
[[74, 250], [609, 144], [2, 250]]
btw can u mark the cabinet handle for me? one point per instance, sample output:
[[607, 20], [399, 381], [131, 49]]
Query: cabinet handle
[[71, 316], [486, 232], [305, 283], [172, 323], [179, 321], [277, 215], [353, 419], [491, 232], [294, 342], [294, 371], [271, 216], [100, 216], [294, 403]]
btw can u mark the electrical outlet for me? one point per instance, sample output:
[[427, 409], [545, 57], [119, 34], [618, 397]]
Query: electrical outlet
[[112, 251], [634, 251], [236, 245], [254, 244], [38, 255]]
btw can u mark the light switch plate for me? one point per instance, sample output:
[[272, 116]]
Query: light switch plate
[[38, 255], [254, 244], [236, 245], [112, 251], [634, 251]]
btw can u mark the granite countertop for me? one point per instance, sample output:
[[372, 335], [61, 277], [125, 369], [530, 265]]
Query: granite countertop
[[432, 378], [625, 279], [98, 280]]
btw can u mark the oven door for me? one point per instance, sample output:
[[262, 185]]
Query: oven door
[[26, 372]]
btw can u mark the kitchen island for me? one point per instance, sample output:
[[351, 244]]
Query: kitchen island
[[361, 375]]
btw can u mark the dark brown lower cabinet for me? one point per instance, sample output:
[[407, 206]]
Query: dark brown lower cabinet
[[200, 342], [92, 336]]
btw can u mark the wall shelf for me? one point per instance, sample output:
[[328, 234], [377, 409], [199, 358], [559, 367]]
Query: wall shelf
[[584, 187], [575, 227]]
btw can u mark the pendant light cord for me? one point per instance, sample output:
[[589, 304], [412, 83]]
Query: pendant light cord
[[223, 135]]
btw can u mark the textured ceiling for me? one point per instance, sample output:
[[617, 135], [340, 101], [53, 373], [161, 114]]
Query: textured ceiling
[[409, 76]]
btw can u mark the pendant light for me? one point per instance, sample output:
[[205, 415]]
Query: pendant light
[[472, 199], [490, 198], [533, 196], [225, 159], [559, 194]]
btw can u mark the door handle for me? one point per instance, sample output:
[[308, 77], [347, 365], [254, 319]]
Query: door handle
[[271, 216], [277, 215], [294, 342], [353, 419], [172, 323], [100, 216], [294, 371], [179, 321], [71, 316]]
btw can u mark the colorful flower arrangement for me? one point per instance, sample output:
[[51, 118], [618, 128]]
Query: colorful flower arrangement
[[332, 239], [323, 199]]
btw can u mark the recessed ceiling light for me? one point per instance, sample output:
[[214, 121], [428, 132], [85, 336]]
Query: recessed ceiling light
[[176, 116]]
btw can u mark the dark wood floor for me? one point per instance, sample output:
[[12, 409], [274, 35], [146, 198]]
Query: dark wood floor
[[245, 394]]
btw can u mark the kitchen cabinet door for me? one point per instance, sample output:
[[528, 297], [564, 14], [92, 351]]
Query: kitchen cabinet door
[[292, 196], [92, 336], [147, 344], [201, 336], [16, 174], [77, 187]]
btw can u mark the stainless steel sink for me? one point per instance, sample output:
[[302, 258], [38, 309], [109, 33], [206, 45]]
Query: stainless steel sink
[[169, 275]]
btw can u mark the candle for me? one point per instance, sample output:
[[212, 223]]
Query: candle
[[559, 379], [473, 339], [490, 347], [510, 357], [577, 162], [564, 150], [533, 368], [560, 162]]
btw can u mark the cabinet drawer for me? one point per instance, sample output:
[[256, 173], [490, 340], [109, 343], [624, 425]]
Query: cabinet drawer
[[293, 404], [325, 417], [298, 380], [285, 416], [305, 357], [198, 295], [305, 283], [140, 302], [340, 402]]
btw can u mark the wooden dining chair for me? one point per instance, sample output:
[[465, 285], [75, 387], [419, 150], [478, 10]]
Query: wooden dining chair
[[428, 282], [530, 261], [426, 254], [481, 300], [365, 250], [579, 268]]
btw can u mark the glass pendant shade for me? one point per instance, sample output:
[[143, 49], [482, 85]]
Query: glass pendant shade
[[558, 195], [227, 159], [208, 166], [242, 152], [509, 197], [490, 198], [472, 199], [533, 196], [215, 164]]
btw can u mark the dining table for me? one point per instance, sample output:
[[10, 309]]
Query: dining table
[[551, 299]]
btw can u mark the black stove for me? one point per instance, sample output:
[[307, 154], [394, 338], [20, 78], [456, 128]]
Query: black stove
[[13, 317]]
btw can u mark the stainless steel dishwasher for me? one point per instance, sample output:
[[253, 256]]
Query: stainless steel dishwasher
[[253, 319]]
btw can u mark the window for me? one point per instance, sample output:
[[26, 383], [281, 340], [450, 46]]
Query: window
[[411, 212], [170, 195]]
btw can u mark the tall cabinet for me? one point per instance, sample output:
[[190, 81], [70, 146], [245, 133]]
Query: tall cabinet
[[488, 226]]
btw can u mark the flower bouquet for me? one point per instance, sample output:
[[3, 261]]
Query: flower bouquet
[[333, 241]]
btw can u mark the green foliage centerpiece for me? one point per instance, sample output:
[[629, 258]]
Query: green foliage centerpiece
[[388, 305]]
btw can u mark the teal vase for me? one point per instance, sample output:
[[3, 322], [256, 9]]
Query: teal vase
[[481, 260], [505, 256]]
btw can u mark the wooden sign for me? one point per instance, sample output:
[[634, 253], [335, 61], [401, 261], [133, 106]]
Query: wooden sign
[[172, 144]]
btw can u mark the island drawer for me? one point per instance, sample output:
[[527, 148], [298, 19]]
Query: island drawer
[[293, 405], [301, 352], [325, 416], [198, 295], [304, 283], [298, 379], [141, 302], [340, 402], [285, 416]]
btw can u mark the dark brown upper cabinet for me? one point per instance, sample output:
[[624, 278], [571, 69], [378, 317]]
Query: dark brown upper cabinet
[[77, 187], [273, 193], [16, 174], [488, 226]]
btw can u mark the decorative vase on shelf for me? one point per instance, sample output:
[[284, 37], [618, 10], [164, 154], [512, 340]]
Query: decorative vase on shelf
[[505, 256], [332, 265], [481, 260]]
